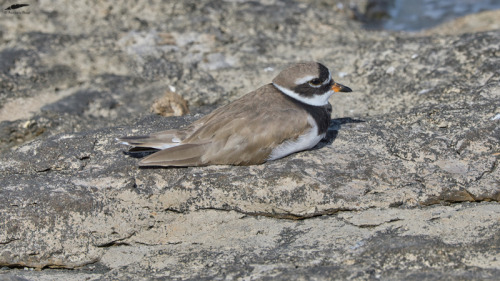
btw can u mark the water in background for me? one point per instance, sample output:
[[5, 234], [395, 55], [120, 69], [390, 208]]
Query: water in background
[[414, 15]]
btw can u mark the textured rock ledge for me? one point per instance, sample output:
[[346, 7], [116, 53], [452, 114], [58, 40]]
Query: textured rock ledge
[[406, 186], [435, 242]]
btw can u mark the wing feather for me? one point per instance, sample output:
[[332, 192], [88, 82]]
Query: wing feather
[[161, 140], [182, 155]]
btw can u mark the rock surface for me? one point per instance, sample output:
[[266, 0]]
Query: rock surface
[[406, 186]]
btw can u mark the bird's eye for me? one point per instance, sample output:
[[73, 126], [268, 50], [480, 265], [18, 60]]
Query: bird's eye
[[315, 82]]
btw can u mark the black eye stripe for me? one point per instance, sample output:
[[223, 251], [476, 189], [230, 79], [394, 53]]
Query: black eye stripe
[[316, 81], [307, 91], [324, 74]]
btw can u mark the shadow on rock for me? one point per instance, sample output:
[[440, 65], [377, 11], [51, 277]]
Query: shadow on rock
[[140, 152], [333, 131]]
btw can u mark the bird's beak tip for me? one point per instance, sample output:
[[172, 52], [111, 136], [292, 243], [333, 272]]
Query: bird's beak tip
[[341, 88]]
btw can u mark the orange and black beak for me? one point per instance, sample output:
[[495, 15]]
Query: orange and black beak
[[340, 88]]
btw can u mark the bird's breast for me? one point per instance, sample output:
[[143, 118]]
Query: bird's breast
[[305, 141]]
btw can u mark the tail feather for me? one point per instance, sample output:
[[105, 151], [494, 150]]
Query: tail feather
[[182, 155], [132, 140], [153, 141]]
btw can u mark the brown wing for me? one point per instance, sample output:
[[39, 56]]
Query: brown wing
[[241, 133], [182, 155]]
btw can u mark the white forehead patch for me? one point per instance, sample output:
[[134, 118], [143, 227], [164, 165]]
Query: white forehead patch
[[304, 79], [329, 78], [316, 100]]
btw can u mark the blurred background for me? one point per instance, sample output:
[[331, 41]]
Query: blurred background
[[417, 15]]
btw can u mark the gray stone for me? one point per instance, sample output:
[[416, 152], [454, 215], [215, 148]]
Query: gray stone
[[406, 186]]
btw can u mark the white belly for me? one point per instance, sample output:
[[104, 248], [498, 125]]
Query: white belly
[[305, 141]]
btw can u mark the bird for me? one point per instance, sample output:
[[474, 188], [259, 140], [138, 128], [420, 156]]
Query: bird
[[290, 114]]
